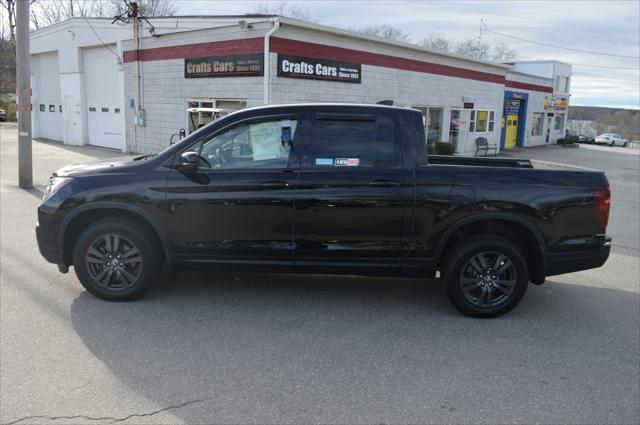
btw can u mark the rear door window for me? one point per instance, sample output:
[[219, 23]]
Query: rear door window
[[352, 141]]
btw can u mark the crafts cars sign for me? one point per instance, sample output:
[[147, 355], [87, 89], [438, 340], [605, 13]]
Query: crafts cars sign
[[318, 69], [249, 65]]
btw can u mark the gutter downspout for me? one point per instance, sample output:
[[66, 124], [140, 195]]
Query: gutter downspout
[[267, 61]]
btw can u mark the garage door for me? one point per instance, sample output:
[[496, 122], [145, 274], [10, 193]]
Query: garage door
[[105, 122], [47, 100]]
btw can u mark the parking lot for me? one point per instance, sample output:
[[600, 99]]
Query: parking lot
[[211, 347]]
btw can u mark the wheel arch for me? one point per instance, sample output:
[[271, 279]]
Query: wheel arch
[[82, 216], [512, 227]]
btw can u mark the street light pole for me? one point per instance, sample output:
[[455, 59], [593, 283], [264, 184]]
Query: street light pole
[[23, 74]]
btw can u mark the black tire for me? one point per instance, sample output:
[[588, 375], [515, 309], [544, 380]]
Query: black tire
[[498, 291], [624, 145], [108, 277]]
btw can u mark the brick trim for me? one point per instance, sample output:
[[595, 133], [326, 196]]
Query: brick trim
[[321, 51], [215, 48], [315, 50], [528, 86]]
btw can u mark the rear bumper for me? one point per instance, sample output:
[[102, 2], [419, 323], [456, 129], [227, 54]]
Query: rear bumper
[[582, 259]]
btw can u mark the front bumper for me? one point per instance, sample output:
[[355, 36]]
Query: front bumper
[[50, 250], [583, 259]]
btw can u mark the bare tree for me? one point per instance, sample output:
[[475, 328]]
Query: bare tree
[[473, 48], [436, 41], [387, 32], [283, 9], [503, 53], [10, 7], [147, 7], [49, 12]]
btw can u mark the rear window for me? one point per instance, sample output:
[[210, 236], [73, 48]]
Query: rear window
[[367, 142]]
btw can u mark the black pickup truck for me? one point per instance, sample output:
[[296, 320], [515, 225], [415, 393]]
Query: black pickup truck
[[332, 189]]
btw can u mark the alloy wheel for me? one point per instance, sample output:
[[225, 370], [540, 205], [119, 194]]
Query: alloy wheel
[[488, 279], [113, 262]]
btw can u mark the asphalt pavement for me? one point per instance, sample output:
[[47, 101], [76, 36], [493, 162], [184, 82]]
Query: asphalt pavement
[[210, 347]]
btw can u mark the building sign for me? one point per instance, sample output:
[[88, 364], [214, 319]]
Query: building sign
[[553, 104], [561, 105], [511, 107], [318, 69], [249, 65]]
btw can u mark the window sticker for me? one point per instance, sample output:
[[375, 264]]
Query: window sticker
[[347, 162], [324, 161]]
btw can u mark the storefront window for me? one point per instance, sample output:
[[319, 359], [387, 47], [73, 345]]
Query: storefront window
[[537, 124], [434, 125], [482, 121], [454, 127], [559, 123], [201, 113], [562, 84], [432, 118]]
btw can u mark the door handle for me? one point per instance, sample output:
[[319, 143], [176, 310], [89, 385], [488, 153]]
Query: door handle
[[275, 185], [383, 183]]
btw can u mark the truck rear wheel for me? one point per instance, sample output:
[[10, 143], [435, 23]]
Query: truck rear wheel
[[116, 260], [485, 276]]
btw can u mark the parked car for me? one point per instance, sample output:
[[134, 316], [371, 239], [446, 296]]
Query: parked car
[[571, 133], [586, 139], [611, 139], [336, 189], [3, 115]]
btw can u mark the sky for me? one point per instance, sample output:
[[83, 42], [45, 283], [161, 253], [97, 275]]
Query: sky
[[604, 26]]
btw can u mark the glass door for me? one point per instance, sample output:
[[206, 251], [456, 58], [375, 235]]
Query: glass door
[[454, 127]]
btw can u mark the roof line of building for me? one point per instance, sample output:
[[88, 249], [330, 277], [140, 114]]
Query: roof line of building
[[300, 24], [361, 36]]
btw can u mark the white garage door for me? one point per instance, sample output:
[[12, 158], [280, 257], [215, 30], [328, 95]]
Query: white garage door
[[47, 101], [105, 122]]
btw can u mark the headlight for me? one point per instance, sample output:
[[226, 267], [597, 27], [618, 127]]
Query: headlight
[[54, 185]]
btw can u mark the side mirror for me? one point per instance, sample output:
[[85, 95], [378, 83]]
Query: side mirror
[[189, 161]]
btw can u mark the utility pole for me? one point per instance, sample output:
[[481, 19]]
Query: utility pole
[[23, 74]]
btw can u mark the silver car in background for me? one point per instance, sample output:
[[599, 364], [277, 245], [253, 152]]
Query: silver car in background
[[611, 139]]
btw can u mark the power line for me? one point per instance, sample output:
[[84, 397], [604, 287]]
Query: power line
[[559, 47]]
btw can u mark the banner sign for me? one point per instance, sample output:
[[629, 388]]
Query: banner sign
[[561, 105], [318, 69], [249, 65], [552, 103], [511, 107]]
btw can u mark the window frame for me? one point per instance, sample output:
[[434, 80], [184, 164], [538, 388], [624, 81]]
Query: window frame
[[294, 156], [473, 121], [555, 122], [201, 100], [541, 121]]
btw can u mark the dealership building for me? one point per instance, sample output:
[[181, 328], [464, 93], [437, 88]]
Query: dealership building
[[94, 84]]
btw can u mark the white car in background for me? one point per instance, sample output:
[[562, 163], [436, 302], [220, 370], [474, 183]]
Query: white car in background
[[611, 139]]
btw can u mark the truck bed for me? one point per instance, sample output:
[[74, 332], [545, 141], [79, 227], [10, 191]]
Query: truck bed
[[500, 162]]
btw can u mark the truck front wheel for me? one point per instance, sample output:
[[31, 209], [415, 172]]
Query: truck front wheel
[[485, 276], [116, 260]]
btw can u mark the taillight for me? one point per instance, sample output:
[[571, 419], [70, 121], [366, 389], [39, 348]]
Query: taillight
[[603, 205]]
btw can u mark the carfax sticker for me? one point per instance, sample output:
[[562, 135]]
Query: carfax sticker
[[346, 162], [324, 161]]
